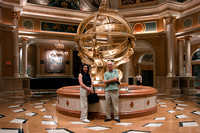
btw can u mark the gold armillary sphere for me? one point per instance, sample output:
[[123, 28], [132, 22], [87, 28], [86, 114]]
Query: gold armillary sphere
[[105, 35]]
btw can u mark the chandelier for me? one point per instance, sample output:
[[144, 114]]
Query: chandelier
[[59, 52], [59, 46]]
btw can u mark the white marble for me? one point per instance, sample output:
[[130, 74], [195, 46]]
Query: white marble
[[163, 105], [57, 131], [49, 123], [53, 104], [98, 128], [139, 104], [123, 123], [15, 106], [18, 110], [171, 111], [31, 114], [77, 122], [190, 124], [159, 118], [42, 110], [47, 116], [181, 116], [196, 112], [183, 105], [37, 107], [178, 108], [9, 131], [153, 125], [17, 120], [39, 103], [137, 131], [178, 101]]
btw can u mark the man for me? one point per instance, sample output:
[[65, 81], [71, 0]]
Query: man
[[139, 79], [111, 79]]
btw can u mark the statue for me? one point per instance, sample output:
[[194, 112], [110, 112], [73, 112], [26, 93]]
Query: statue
[[105, 35]]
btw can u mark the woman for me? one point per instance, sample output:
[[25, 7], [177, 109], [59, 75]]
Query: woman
[[86, 86]]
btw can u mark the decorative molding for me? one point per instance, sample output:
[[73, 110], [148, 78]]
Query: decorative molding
[[139, 27], [138, 3], [28, 24], [170, 19], [148, 102], [6, 27], [189, 31], [53, 13], [16, 14], [180, 39], [131, 104], [187, 37], [188, 22], [150, 23], [158, 11], [59, 4], [67, 103], [24, 39], [97, 115], [58, 27]]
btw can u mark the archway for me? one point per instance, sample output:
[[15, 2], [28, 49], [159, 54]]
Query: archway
[[145, 62], [195, 62]]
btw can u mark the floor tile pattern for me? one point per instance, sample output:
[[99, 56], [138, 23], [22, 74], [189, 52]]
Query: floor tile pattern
[[36, 113]]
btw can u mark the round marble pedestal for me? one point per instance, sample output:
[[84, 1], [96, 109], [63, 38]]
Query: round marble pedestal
[[135, 102]]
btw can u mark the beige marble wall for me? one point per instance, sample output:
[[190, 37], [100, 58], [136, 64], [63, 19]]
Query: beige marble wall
[[15, 86]]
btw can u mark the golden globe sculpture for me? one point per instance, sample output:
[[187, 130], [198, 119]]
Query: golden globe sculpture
[[105, 35]]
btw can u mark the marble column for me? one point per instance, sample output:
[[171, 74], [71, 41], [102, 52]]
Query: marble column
[[170, 45], [181, 56], [15, 20], [38, 61], [71, 61], [126, 72], [187, 56], [24, 56]]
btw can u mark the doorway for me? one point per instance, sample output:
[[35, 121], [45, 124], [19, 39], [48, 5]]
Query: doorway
[[147, 78], [196, 72]]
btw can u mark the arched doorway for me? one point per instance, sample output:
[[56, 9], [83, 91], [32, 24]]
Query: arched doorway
[[196, 67], [145, 62], [147, 66]]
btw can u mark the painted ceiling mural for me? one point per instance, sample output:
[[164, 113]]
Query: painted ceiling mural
[[85, 5]]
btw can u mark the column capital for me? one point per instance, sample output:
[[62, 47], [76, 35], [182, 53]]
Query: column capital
[[170, 19], [187, 37], [24, 39], [181, 39], [16, 14]]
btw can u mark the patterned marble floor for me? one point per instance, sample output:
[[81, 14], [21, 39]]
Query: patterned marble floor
[[37, 114]]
